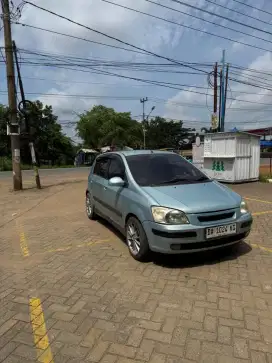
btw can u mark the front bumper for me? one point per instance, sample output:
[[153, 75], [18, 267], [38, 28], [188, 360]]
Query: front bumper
[[176, 239]]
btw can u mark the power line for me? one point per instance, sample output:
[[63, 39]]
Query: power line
[[187, 26], [131, 85], [221, 16], [249, 84], [202, 19], [161, 83], [123, 97], [64, 122], [238, 12], [75, 37], [252, 7], [113, 38], [266, 72]]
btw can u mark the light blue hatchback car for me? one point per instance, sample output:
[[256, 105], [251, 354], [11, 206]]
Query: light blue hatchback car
[[161, 202]]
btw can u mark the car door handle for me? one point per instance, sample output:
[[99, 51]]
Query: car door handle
[[105, 188]]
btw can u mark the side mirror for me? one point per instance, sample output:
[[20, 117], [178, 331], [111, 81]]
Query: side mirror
[[116, 182]]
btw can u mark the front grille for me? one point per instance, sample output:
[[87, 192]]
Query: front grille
[[215, 217], [206, 244]]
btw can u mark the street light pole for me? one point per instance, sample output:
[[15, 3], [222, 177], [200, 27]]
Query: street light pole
[[146, 119]]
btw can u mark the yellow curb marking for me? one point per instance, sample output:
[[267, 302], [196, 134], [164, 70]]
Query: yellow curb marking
[[23, 240], [39, 331], [62, 249], [261, 213], [261, 247], [259, 200]]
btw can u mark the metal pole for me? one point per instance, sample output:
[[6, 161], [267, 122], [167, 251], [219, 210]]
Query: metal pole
[[31, 145], [215, 89], [225, 99], [14, 126], [143, 100], [220, 103], [222, 91], [144, 131]]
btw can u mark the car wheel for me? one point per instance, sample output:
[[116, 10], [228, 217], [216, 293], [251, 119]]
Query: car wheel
[[136, 240], [90, 208]]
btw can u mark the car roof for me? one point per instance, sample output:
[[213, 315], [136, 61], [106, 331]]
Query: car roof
[[137, 152]]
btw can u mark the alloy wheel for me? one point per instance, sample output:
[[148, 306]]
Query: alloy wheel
[[133, 239]]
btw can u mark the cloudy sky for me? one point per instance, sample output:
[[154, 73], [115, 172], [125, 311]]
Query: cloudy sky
[[80, 63]]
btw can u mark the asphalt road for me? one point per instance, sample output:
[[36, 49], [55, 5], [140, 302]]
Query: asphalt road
[[72, 172]]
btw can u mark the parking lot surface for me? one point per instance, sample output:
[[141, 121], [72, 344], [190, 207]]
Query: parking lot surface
[[70, 292]]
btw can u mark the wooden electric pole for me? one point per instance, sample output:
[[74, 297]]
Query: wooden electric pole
[[31, 144], [13, 126]]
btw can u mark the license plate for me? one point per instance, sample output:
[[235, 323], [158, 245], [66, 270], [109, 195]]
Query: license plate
[[218, 231]]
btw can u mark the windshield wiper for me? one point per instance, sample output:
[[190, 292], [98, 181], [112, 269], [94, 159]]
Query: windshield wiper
[[202, 178], [176, 180]]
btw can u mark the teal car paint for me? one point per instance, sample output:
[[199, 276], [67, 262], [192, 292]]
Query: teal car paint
[[161, 202]]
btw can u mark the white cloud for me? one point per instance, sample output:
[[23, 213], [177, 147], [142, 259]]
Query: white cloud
[[160, 37]]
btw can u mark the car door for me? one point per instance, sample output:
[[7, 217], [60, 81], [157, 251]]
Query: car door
[[99, 184], [115, 196]]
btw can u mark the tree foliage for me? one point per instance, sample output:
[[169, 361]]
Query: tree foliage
[[102, 126], [171, 134], [50, 142]]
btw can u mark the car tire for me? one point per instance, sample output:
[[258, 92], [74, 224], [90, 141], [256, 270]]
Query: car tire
[[90, 209], [136, 240]]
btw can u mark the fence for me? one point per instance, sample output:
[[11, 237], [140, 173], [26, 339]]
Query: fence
[[266, 163]]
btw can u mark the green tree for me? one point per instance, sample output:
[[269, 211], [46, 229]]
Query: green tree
[[50, 142], [4, 138], [103, 126], [161, 133]]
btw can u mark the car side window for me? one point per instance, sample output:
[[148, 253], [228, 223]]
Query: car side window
[[117, 168], [101, 167]]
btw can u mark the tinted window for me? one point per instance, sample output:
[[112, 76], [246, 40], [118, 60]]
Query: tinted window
[[101, 167], [163, 169], [116, 168]]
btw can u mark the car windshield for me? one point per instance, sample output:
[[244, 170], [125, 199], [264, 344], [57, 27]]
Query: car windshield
[[163, 169]]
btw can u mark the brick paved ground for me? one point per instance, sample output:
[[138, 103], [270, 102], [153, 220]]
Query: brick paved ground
[[102, 306]]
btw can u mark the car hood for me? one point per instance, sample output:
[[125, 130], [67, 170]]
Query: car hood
[[195, 198]]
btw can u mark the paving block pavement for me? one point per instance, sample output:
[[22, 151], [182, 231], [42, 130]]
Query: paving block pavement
[[78, 296]]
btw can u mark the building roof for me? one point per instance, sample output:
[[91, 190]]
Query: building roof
[[262, 131]]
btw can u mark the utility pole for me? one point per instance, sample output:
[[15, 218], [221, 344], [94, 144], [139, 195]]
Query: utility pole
[[214, 116], [225, 99], [222, 91], [215, 89], [26, 115], [220, 103], [13, 127], [143, 101]]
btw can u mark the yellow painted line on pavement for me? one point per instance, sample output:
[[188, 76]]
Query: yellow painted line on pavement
[[261, 213], [39, 332], [259, 200], [266, 249], [86, 244], [23, 240]]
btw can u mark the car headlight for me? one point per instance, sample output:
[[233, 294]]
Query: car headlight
[[168, 216], [244, 207]]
